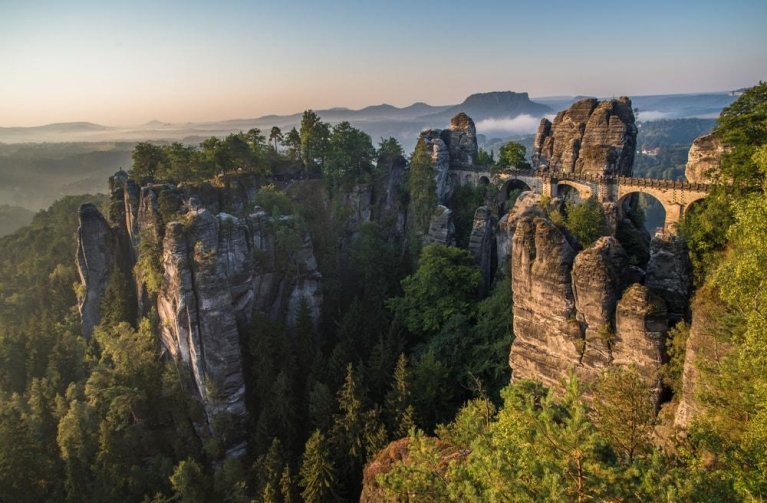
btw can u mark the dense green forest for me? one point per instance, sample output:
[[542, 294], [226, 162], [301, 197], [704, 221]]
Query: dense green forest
[[406, 348]]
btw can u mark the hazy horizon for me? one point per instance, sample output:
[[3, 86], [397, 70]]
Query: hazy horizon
[[125, 64]]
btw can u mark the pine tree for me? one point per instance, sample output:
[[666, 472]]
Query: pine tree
[[317, 474], [399, 407]]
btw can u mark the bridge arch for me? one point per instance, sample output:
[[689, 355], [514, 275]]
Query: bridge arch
[[506, 196], [655, 211], [675, 196]]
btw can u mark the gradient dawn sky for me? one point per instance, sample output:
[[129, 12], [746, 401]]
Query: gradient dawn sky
[[128, 62]]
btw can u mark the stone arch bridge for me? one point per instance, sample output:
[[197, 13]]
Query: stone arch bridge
[[675, 196]]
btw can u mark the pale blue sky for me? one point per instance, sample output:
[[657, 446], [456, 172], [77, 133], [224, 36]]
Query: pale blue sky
[[128, 62]]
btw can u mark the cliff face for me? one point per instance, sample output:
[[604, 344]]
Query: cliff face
[[97, 254], [590, 138], [704, 158], [584, 312], [483, 246], [216, 271], [547, 338]]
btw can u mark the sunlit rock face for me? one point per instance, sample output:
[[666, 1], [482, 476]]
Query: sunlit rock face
[[590, 137], [704, 159], [583, 312]]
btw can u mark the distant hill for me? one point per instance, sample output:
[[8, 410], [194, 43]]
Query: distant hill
[[13, 217], [378, 121], [495, 105]]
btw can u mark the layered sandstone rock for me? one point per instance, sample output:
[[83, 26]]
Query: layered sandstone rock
[[704, 353], [577, 313], [641, 324], [704, 158], [483, 246], [217, 271], [462, 142], [669, 274], [97, 256], [454, 148], [526, 205], [598, 278], [548, 338], [442, 227], [588, 138]]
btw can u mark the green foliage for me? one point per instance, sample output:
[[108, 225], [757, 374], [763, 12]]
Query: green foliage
[[485, 158], [624, 412], [444, 285], [743, 127], [119, 301], [148, 269], [13, 217], [350, 155], [273, 200], [535, 448], [464, 203], [388, 150], [513, 154], [292, 142], [422, 186], [676, 346], [188, 482], [314, 135], [147, 159], [586, 221]]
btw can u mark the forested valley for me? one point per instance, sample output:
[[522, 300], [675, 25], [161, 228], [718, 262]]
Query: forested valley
[[399, 388]]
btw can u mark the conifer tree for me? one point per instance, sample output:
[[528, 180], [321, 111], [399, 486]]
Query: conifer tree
[[317, 474], [399, 408]]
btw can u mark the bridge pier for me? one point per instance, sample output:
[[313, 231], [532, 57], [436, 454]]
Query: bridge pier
[[674, 214]]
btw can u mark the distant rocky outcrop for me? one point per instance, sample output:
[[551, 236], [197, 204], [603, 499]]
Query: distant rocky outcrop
[[704, 158], [495, 105], [454, 148], [589, 138]]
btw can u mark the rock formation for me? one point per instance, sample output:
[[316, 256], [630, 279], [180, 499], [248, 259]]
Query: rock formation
[[704, 158], [598, 278], [454, 148], [704, 353], [526, 205], [588, 138], [641, 324], [578, 313], [483, 246], [442, 227], [669, 274], [217, 270], [548, 338], [96, 258]]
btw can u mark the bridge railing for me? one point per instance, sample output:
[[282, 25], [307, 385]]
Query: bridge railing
[[608, 179]]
